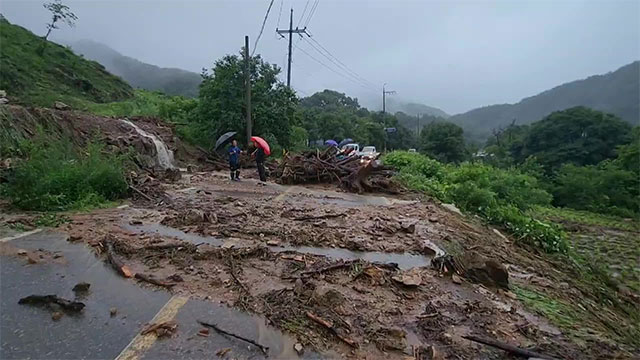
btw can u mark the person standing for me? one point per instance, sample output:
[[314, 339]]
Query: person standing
[[234, 161], [259, 154]]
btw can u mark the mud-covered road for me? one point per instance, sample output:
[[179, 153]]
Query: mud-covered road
[[305, 271]]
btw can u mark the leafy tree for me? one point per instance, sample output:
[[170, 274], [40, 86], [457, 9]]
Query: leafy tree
[[443, 141], [221, 105], [330, 99], [59, 12], [579, 136]]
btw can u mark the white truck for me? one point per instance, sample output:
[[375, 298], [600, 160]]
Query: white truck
[[368, 153]]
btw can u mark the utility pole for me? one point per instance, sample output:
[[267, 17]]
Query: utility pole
[[384, 98], [247, 82], [291, 31]]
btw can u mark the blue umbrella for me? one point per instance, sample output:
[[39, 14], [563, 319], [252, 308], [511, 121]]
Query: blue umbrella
[[345, 142], [331, 143]]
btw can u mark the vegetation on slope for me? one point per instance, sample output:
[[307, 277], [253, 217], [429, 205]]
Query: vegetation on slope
[[57, 74], [616, 92]]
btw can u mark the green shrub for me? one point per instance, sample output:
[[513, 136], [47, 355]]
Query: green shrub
[[500, 196], [55, 177]]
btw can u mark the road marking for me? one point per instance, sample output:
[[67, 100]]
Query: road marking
[[283, 195], [142, 343], [14, 237]]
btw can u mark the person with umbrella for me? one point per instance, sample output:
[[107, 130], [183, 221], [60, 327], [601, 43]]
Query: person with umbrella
[[234, 161], [262, 150]]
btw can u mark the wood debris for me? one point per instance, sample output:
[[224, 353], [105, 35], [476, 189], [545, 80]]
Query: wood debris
[[162, 329], [67, 305]]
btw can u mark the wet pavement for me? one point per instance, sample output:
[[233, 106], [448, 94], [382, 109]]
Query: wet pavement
[[30, 332]]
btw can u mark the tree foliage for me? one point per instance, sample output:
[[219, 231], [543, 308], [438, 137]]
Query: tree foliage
[[59, 12], [221, 105], [443, 141]]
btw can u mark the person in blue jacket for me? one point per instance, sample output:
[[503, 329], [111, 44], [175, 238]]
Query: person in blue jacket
[[234, 161]]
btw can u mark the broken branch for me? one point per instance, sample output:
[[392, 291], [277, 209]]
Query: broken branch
[[329, 267], [152, 280], [329, 326], [73, 306], [140, 193], [118, 265], [262, 348], [507, 347], [326, 216]]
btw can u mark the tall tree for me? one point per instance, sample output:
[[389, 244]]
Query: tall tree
[[443, 141], [221, 106], [59, 12], [579, 136]]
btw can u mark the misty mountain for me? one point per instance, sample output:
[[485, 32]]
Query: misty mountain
[[615, 92], [139, 74], [413, 109]]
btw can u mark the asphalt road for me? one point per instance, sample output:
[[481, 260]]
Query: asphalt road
[[28, 332]]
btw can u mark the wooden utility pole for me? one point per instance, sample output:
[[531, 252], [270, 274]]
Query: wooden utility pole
[[247, 82], [384, 98], [291, 31]]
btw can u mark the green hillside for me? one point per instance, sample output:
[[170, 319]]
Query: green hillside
[[616, 92], [33, 77]]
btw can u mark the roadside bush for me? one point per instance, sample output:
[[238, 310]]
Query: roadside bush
[[500, 196], [55, 177]]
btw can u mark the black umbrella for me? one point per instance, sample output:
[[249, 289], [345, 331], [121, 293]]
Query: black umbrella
[[345, 142], [225, 138]]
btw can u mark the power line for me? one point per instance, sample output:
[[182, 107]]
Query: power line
[[330, 68], [343, 65], [313, 10], [255, 46], [303, 13], [280, 13], [342, 68]]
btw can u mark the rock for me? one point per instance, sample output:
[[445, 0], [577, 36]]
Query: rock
[[113, 311], [81, 287], [175, 277], [456, 279], [61, 106], [4, 101], [409, 278], [172, 174], [273, 242], [22, 252], [433, 219], [298, 348], [485, 271], [31, 259], [409, 228], [57, 315], [74, 238], [135, 222], [375, 274], [57, 256], [452, 208]]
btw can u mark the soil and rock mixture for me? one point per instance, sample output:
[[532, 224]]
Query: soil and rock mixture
[[300, 257]]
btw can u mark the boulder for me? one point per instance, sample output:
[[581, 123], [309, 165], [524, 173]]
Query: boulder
[[61, 106], [486, 271]]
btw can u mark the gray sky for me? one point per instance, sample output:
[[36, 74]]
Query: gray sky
[[455, 55]]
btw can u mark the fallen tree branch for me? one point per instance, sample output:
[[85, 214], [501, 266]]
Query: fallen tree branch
[[262, 348], [325, 216], [68, 305], [140, 193], [329, 267], [161, 329], [152, 280], [118, 265], [514, 350], [235, 278], [329, 326]]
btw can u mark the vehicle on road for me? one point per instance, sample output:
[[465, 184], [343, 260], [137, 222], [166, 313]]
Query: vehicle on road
[[355, 149], [368, 152], [412, 150]]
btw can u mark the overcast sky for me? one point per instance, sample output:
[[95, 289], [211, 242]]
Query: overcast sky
[[455, 55]]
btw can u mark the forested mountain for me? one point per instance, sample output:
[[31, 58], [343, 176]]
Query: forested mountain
[[139, 74], [616, 92], [413, 109]]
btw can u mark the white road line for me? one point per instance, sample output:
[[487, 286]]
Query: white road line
[[21, 235]]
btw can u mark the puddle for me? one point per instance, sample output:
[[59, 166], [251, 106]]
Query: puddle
[[405, 261]]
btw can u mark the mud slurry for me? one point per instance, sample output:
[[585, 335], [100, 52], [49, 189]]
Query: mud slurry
[[279, 253]]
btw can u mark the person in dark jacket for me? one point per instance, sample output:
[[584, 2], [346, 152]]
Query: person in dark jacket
[[259, 154], [234, 161]]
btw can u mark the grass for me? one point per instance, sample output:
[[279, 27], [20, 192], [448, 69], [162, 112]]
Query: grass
[[586, 218], [56, 74], [561, 314], [56, 177]]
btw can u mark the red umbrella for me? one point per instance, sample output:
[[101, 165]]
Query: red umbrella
[[262, 144]]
